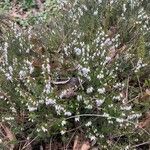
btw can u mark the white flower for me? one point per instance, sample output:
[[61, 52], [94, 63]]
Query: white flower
[[117, 85], [119, 120], [100, 76], [123, 114], [63, 93], [77, 51], [121, 95], [99, 102], [80, 11], [47, 60], [117, 97], [95, 13], [79, 97], [102, 44], [108, 58], [41, 101], [44, 129], [89, 90], [127, 147], [10, 69], [38, 130], [88, 124], [62, 132], [27, 50], [139, 65], [134, 116], [111, 2], [124, 7], [2, 97], [50, 101], [63, 122], [106, 115], [48, 68], [84, 71], [108, 42], [101, 90], [110, 121], [5, 46], [77, 119], [126, 108], [58, 109], [85, 8], [13, 109], [67, 113], [89, 106], [93, 138], [110, 106], [30, 108], [1, 141], [31, 68], [8, 76], [100, 1], [101, 136], [47, 88], [22, 74], [5, 52]]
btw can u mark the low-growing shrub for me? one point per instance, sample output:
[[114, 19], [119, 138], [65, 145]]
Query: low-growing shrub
[[84, 70]]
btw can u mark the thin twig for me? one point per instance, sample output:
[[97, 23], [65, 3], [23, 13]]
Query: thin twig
[[70, 140], [133, 99], [144, 143], [103, 116], [50, 144], [116, 143], [127, 90], [139, 84], [26, 145]]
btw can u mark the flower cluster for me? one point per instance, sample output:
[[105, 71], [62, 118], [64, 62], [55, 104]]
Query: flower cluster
[[86, 44]]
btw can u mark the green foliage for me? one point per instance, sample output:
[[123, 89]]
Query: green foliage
[[141, 47], [103, 45]]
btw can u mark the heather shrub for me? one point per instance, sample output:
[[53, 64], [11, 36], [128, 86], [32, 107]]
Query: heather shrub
[[82, 69]]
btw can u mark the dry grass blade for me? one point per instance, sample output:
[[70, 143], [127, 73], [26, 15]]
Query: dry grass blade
[[9, 135]]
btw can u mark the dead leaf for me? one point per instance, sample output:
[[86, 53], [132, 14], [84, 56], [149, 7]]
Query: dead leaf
[[16, 12], [76, 144], [85, 146], [80, 143], [111, 32], [146, 96], [145, 123], [69, 93], [113, 53], [147, 92], [37, 62]]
